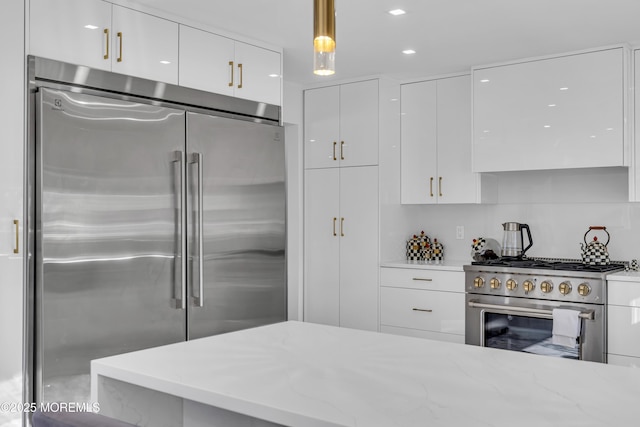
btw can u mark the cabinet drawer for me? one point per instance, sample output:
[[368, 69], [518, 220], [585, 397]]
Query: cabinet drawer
[[623, 293], [624, 330], [418, 333], [439, 280], [632, 362], [426, 310]]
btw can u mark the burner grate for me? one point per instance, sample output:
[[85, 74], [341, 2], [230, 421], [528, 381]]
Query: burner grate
[[552, 264]]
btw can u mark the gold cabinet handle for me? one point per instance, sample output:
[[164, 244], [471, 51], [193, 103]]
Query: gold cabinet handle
[[119, 46], [334, 150], [16, 249], [231, 67], [240, 70], [334, 225], [440, 186], [422, 279], [106, 36], [431, 186], [341, 227], [423, 310], [341, 150]]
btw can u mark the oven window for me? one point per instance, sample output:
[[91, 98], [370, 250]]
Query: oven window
[[522, 333]]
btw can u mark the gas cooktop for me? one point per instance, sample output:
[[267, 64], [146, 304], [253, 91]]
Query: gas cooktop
[[550, 264]]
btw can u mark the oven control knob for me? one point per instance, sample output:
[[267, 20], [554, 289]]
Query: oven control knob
[[528, 286], [478, 282], [495, 283], [584, 289], [565, 288], [511, 284], [546, 286]]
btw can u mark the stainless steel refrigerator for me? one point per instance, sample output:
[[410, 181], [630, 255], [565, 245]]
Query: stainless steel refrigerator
[[153, 223]]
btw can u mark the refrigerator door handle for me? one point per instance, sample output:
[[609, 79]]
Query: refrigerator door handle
[[180, 260], [198, 299]]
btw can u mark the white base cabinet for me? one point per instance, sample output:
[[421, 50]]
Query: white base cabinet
[[426, 303], [341, 247], [560, 112], [623, 319], [436, 144]]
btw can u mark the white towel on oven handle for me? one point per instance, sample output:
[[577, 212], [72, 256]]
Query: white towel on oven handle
[[566, 327]]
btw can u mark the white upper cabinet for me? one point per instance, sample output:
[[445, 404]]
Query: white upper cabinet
[[105, 36], [436, 143], [321, 127], [219, 64], [144, 45], [206, 61], [341, 125], [419, 140], [551, 113], [634, 170], [75, 31], [258, 73]]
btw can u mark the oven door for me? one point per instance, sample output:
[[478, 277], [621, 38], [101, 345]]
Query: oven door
[[524, 325]]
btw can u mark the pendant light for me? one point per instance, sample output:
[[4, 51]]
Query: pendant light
[[324, 37]]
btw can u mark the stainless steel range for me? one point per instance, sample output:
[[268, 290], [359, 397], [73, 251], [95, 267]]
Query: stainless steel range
[[510, 305]]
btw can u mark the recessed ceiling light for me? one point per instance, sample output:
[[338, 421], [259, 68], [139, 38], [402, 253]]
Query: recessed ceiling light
[[547, 126], [552, 105], [165, 62], [274, 75], [484, 81], [90, 27], [409, 51], [396, 12], [564, 88]]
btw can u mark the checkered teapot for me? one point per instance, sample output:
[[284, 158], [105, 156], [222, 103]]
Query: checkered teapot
[[595, 252]]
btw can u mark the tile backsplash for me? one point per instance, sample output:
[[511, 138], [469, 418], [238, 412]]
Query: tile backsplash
[[558, 205]]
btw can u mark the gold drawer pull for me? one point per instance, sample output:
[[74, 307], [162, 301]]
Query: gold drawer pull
[[119, 35], [106, 36], [423, 280], [422, 309]]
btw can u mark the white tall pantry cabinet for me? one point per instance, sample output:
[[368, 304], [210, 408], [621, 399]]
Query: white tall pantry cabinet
[[341, 205], [11, 208]]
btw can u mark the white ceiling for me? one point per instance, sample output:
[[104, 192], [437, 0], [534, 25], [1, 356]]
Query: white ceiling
[[449, 36]]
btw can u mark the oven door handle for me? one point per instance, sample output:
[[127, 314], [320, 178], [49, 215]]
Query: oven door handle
[[588, 315]]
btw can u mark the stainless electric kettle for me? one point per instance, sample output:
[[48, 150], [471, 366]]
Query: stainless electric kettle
[[512, 239]]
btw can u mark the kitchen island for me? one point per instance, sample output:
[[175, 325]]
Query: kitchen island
[[303, 374]]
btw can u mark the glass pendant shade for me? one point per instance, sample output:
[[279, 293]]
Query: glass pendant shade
[[324, 37]]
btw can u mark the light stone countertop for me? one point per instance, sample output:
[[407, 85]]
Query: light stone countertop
[[302, 374], [447, 265], [625, 276]]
